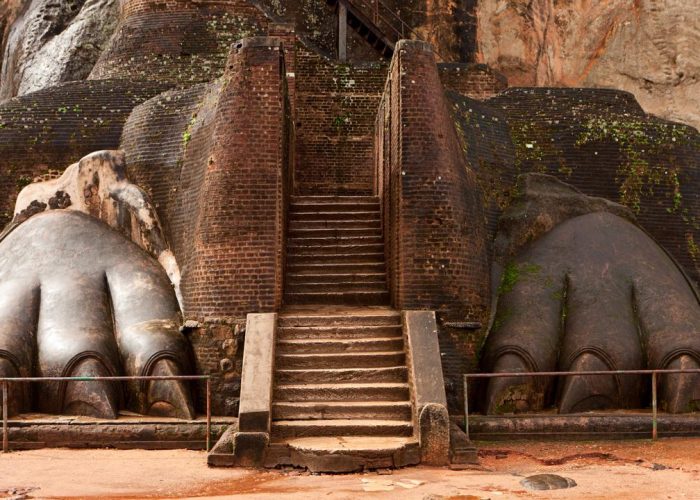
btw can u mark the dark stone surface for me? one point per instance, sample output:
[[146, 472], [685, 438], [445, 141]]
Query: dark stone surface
[[577, 299], [79, 299]]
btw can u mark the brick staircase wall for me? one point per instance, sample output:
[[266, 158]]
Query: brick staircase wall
[[336, 107], [433, 218], [219, 181]]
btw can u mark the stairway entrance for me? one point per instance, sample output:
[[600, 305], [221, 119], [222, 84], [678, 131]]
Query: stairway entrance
[[341, 385]]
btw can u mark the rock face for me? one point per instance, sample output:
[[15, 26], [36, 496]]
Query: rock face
[[643, 46], [54, 42]]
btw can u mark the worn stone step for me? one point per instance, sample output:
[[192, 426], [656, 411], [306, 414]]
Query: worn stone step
[[333, 410], [329, 232], [338, 322], [364, 215], [336, 249], [337, 258], [333, 241], [338, 286], [377, 391], [337, 225], [333, 268], [339, 332], [341, 360], [297, 279], [333, 206], [392, 374], [308, 346], [354, 297], [341, 427], [334, 199]]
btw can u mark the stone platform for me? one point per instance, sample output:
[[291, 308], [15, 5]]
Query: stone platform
[[129, 431], [583, 426]]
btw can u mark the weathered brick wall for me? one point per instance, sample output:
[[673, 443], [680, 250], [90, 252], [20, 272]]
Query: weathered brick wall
[[477, 81], [336, 106], [434, 222], [44, 132], [183, 42], [219, 181], [598, 140]]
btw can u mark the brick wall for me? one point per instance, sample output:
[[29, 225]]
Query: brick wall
[[598, 140], [44, 132], [183, 42], [477, 81], [215, 159], [336, 107], [433, 217]]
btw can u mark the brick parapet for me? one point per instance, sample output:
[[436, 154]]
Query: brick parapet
[[433, 219], [220, 181]]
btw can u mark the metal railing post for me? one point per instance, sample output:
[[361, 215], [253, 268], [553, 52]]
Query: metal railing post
[[466, 406], [5, 410], [208, 414], [654, 409]]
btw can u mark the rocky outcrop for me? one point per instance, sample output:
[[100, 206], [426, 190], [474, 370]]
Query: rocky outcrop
[[642, 46], [54, 42]]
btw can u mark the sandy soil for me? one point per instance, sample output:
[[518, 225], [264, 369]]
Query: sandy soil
[[620, 470]]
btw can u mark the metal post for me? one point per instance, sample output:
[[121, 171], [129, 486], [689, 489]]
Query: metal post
[[5, 410], [654, 428], [208, 414], [342, 31], [376, 12], [466, 407]]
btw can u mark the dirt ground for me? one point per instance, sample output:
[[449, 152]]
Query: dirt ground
[[613, 470]]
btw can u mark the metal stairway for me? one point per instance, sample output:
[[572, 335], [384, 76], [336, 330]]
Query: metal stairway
[[376, 22]]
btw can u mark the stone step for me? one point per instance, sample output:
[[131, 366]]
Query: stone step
[[297, 279], [336, 225], [334, 199], [365, 215], [338, 286], [335, 322], [392, 374], [341, 360], [341, 427], [339, 332], [336, 268], [337, 258], [342, 392], [344, 453], [329, 346], [297, 207], [340, 298], [333, 410], [330, 232], [332, 241], [335, 249]]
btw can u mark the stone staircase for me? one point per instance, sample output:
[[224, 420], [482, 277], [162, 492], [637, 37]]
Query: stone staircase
[[341, 383], [335, 251], [341, 389]]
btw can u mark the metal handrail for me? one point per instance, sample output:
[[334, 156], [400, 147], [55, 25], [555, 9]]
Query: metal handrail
[[6, 381], [654, 374], [374, 6]]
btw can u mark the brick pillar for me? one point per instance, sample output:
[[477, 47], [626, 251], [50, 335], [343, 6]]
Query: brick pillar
[[237, 266], [434, 220]]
